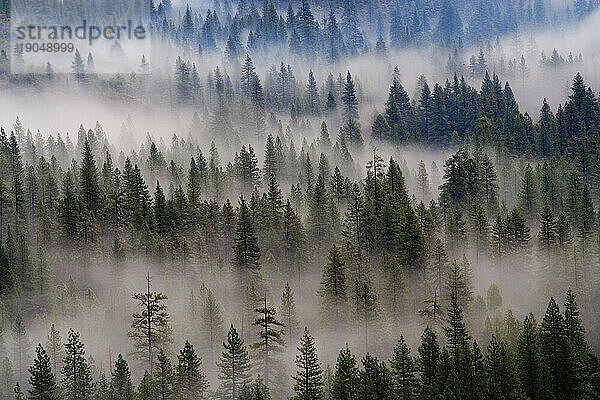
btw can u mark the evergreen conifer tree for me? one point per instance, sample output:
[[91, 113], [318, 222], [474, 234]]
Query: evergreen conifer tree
[[288, 311], [234, 365], [191, 381], [77, 378], [246, 251], [270, 341], [121, 387], [164, 377], [345, 379], [150, 329], [42, 381], [333, 291], [309, 376], [403, 371]]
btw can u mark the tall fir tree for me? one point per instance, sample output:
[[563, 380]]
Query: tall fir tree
[[345, 379], [42, 381], [309, 376], [77, 378], [191, 381], [150, 329], [403, 371], [234, 366], [246, 251]]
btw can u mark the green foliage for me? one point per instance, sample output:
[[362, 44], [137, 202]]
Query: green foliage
[[557, 354], [150, 329], [191, 381], [403, 371], [234, 366], [289, 313], [270, 340], [43, 384], [77, 377], [334, 290], [164, 377], [246, 251], [375, 380], [121, 387], [147, 387], [345, 379], [309, 376], [501, 378], [528, 359], [255, 391]]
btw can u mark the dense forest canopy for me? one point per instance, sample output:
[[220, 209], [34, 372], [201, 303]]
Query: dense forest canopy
[[305, 200]]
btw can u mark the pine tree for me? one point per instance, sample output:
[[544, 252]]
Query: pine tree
[[212, 325], [345, 380], [294, 238], [563, 232], [548, 234], [395, 289], [403, 371], [255, 391], [380, 130], [270, 164], [501, 378], [423, 181], [375, 380], [77, 378], [312, 94], [21, 345], [43, 384], [456, 331], [459, 281], [489, 178], [194, 187], [18, 195], [307, 28], [275, 203], [6, 378], [528, 358], [575, 334], [164, 377], [586, 221], [480, 230], [146, 388], [557, 356], [55, 348], [78, 67], [333, 289], [88, 182], [246, 252], [288, 311], [367, 307], [19, 395], [270, 339], [234, 366], [529, 193], [499, 239], [349, 100], [8, 284], [350, 134], [150, 329], [412, 253], [319, 220], [191, 381], [574, 329], [121, 387], [438, 266], [429, 352], [309, 377]]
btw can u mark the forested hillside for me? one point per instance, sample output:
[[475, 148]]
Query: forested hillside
[[303, 200]]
